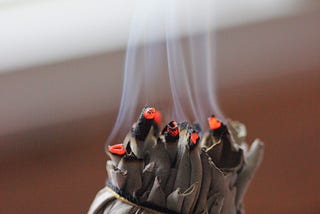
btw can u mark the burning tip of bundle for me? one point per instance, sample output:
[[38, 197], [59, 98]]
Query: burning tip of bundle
[[173, 129], [150, 113], [194, 137], [148, 118], [117, 149], [214, 123], [171, 132], [157, 117]]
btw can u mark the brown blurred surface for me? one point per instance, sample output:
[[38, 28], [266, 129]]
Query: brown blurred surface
[[59, 169]]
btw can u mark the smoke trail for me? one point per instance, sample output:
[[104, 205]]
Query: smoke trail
[[168, 53], [178, 75], [202, 64], [143, 63]]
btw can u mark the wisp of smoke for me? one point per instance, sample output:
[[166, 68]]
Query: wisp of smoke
[[169, 63]]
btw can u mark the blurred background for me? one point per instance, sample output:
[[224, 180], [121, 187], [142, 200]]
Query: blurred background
[[61, 71]]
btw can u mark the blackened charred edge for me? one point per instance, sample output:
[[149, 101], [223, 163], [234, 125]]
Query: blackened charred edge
[[129, 154], [131, 157], [191, 129], [136, 201], [219, 132], [155, 129], [142, 127], [192, 145], [170, 138]]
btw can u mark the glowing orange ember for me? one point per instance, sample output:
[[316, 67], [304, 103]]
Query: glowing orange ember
[[214, 123], [173, 129], [117, 149], [194, 137], [157, 117], [149, 113]]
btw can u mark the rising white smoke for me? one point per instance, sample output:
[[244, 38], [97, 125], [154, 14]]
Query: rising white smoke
[[169, 63]]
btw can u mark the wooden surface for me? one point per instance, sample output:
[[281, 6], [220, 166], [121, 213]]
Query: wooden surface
[[59, 169]]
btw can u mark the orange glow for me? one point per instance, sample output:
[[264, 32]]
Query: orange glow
[[194, 137], [214, 123], [117, 149], [173, 129], [149, 113], [157, 117]]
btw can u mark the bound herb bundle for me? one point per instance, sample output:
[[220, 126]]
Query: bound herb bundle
[[180, 169]]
